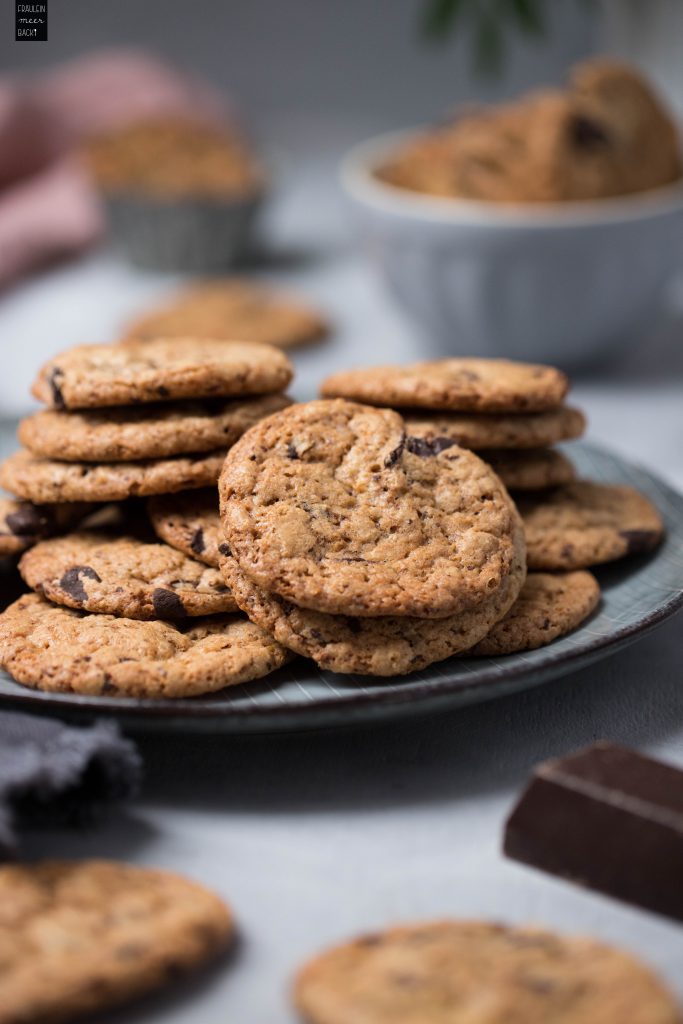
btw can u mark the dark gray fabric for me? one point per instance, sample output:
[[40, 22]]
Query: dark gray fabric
[[51, 772]]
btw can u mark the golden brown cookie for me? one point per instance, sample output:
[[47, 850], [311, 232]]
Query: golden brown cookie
[[91, 376], [124, 576], [469, 385], [531, 469], [59, 650], [380, 646], [79, 937], [332, 506], [129, 433], [189, 522], [549, 606], [586, 523], [232, 310], [45, 481], [481, 431], [470, 972]]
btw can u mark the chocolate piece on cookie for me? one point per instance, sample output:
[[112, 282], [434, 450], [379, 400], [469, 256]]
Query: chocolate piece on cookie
[[471, 972], [23, 524], [232, 310], [91, 376], [380, 646], [60, 650], [468, 385], [498, 430], [82, 936], [189, 522], [129, 433], [530, 470], [586, 523], [332, 506], [124, 576], [549, 606], [49, 480]]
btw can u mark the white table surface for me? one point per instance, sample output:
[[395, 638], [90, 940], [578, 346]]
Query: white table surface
[[312, 838]]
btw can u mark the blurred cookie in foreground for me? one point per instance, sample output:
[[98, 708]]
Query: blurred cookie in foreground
[[233, 310], [585, 523], [549, 606], [471, 972], [181, 194], [82, 936], [189, 522], [606, 134], [59, 650]]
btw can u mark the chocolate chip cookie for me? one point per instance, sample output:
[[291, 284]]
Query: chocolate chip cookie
[[23, 524], [530, 470], [91, 376], [124, 576], [232, 310], [549, 606], [332, 506], [130, 433], [48, 480], [469, 972], [82, 936], [467, 385], [498, 430], [189, 522], [59, 650], [381, 646], [586, 523]]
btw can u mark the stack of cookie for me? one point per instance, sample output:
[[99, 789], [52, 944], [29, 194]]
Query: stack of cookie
[[127, 421], [512, 414]]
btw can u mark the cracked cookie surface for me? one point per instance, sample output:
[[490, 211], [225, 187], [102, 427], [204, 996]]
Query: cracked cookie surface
[[586, 523], [126, 433], [90, 376], [81, 936], [470, 972], [189, 522], [124, 576], [470, 385], [330, 505], [549, 606], [232, 310], [381, 646], [59, 650], [49, 480]]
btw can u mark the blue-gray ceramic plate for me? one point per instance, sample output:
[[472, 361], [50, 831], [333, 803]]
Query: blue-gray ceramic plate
[[638, 594]]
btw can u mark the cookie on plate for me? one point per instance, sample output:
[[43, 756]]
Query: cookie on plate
[[330, 505], [532, 469], [549, 606], [189, 522], [465, 385], [59, 650], [232, 310], [586, 523], [498, 430], [124, 576], [470, 972], [79, 937], [90, 376], [380, 646], [155, 431], [23, 524], [49, 480]]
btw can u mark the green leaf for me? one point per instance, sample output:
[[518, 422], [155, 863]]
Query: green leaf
[[440, 17]]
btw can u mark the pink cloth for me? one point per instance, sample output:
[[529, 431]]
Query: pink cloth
[[48, 208]]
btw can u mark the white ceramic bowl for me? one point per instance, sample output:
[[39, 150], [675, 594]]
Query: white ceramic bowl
[[567, 284]]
